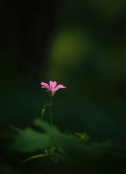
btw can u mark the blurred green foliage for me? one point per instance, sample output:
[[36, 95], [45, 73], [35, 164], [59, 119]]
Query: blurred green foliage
[[79, 155], [30, 140]]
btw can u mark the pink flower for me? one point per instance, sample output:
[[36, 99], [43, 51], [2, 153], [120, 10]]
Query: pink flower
[[52, 88]]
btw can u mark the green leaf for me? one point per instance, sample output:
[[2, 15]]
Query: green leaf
[[29, 140], [47, 152], [78, 134], [36, 156], [51, 150], [61, 150], [55, 157], [83, 136], [86, 137], [43, 112], [62, 140]]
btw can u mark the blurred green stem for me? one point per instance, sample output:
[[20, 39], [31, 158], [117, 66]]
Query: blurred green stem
[[51, 110]]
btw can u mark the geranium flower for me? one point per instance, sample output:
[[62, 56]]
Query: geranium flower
[[52, 88]]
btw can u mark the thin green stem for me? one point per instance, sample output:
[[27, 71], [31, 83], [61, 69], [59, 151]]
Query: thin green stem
[[46, 105], [51, 110]]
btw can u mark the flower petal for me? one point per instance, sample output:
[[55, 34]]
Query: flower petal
[[54, 84], [45, 85], [50, 84], [59, 86]]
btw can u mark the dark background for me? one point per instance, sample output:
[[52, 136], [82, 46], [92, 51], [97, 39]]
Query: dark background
[[80, 44]]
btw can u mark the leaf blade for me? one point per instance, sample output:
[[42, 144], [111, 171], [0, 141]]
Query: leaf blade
[[33, 157]]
